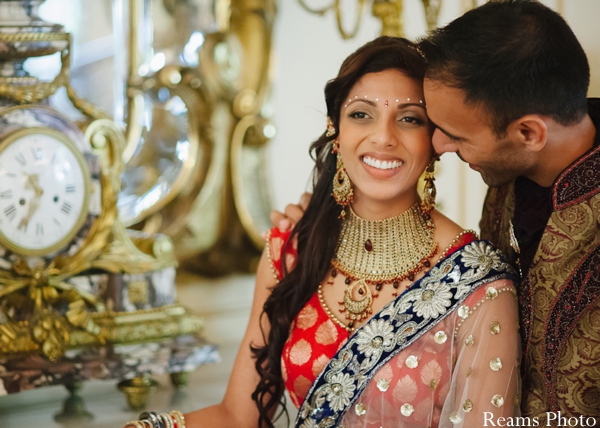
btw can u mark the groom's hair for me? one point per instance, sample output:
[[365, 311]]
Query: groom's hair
[[513, 58]]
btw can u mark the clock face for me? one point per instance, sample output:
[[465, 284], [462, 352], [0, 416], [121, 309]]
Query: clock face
[[44, 184]]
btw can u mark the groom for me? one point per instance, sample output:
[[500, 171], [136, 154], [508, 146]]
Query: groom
[[506, 89]]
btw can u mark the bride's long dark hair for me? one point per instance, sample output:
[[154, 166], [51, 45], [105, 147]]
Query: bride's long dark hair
[[319, 228]]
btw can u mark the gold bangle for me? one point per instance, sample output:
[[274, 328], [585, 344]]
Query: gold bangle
[[152, 418], [166, 419], [180, 419]]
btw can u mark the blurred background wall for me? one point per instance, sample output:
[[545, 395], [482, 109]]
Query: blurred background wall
[[307, 51]]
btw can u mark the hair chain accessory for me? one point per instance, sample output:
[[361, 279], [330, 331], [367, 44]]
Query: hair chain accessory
[[375, 252], [330, 128]]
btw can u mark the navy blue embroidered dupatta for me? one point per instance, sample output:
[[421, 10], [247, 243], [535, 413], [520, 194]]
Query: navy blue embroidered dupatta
[[399, 324]]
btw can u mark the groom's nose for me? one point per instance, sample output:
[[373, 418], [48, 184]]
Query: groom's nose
[[442, 143]]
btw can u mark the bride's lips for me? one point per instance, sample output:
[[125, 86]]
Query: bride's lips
[[381, 166]]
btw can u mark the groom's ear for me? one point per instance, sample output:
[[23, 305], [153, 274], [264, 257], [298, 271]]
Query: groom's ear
[[531, 131]]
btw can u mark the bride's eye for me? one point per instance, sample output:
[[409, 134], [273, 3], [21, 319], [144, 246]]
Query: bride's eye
[[412, 119], [358, 115]]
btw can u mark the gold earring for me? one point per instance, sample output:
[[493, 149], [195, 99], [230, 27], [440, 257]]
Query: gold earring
[[429, 192], [342, 187]]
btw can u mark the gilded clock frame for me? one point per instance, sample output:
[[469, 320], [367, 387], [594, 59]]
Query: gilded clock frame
[[12, 137]]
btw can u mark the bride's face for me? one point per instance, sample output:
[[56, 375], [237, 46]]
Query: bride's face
[[385, 139]]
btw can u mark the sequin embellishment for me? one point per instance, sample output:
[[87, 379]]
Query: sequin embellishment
[[491, 293], [468, 405], [440, 337], [463, 312], [469, 341], [495, 327], [498, 400], [454, 418], [383, 385], [360, 409], [407, 409], [496, 364], [412, 362]]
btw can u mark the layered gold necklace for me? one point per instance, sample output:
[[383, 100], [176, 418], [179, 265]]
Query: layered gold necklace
[[375, 252]]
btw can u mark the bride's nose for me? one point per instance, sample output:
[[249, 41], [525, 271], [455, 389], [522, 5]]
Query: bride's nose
[[384, 134]]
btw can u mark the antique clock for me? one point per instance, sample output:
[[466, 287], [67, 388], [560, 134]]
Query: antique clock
[[43, 192], [49, 183]]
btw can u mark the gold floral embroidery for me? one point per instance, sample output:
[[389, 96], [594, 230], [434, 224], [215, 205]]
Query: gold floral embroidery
[[319, 364], [326, 333], [284, 373], [276, 247], [301, 386], [431, 374], [406, 389], [423, 409], [300, 352], [290, 261], [307, 317]]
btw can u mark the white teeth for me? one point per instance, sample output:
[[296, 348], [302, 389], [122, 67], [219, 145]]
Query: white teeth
[[376, 163]]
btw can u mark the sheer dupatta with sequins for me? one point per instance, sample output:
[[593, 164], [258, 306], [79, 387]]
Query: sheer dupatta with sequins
[[444, 353]]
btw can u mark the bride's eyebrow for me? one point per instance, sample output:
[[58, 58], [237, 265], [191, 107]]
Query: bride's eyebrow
[[371, 103]]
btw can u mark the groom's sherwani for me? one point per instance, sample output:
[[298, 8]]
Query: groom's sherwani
[[554, 234]]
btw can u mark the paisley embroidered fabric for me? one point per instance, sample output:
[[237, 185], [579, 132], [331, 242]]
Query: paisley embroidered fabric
[[465, 366]]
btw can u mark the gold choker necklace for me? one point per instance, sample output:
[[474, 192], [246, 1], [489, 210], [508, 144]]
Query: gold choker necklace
[[375, 252]]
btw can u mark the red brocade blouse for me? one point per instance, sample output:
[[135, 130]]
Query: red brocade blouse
[[314, 338]]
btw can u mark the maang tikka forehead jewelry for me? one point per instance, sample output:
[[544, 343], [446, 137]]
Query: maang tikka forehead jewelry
[[386, 104]]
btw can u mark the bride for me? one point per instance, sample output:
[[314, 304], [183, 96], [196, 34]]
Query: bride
[[376, 310]]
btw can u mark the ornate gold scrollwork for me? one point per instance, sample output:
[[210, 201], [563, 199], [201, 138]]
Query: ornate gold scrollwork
[[29, 90], [208, 211], [31, 296], [390, 14], [108, 246], [388, 11], [335, 6]]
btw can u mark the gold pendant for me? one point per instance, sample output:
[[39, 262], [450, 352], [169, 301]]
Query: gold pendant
[[357, 310]]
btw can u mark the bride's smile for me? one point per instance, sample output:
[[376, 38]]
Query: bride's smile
[[384, 142]]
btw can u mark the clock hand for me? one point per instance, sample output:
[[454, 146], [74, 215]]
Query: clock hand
[[34, 204], [32, 182]]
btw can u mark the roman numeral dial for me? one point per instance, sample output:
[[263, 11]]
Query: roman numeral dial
[[44, 182]]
